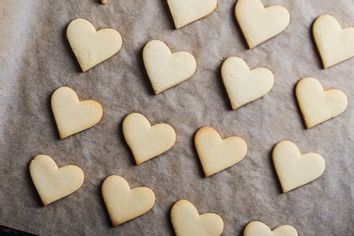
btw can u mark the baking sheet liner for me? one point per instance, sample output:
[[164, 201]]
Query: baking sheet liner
[[35, 60]]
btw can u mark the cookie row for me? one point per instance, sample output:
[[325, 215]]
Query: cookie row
[[166, 69], [258, 24], [147, 141], [124, 203]]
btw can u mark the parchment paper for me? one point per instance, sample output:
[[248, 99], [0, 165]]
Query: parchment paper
[[35, 60]]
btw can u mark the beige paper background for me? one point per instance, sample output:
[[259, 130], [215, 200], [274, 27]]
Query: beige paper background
[[35, 60]]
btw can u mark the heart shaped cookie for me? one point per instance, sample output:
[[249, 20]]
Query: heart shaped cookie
[[256, 228], [186, 11], [260, 24], [124, 204], [318, 105], [72, 115], [146, 141], [244, 85], [53, 183], [294, 169], [186, 221], [166, 69], [334, 44], [217, 154], [92, 47]]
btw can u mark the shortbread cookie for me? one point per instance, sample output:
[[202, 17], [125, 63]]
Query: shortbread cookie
[[318, 105], [256, 228], [295, 169], [260, 24], [53, 183], [186, 11], [187, 221], [72, 115], [217, 154], [124, 204], [92, 47], [334, 44], [104, 1], [146, 141], [244, 85], [166, 69]]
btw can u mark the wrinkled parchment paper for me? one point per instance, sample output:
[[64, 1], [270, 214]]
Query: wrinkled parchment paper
[[35, 60]]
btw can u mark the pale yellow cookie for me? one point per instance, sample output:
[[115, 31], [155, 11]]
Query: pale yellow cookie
[[92, 47], [334, 44], [72, 115], [318, 105], [104, 1], [256, 228], [147, 141], [53, 183], [260, 24], [244, 85], [124, 204], [295, 169], [187, 221], [186, 11], [217, 154], [166, 69]]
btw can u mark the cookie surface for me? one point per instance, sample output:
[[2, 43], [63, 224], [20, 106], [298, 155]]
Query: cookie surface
[[334, 44], [256, 228], [259, 24], [244, 85], [72, 115], [124, 204], [185, 12], [92, 47], [166, 69], [293, 168], [318, 105], [147, 141], [217, 154], [54, 183], [186, 221]]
